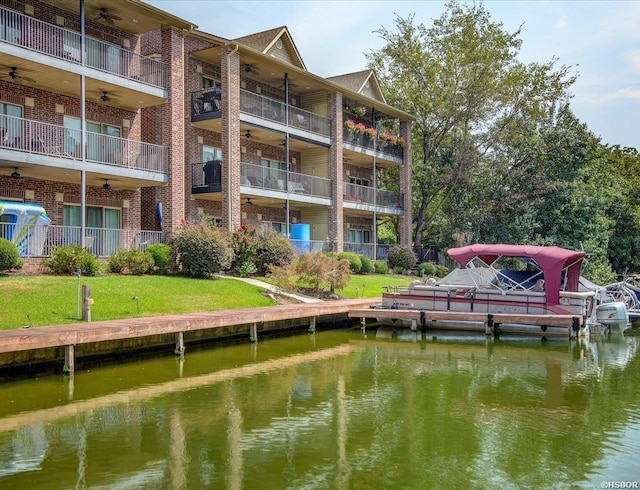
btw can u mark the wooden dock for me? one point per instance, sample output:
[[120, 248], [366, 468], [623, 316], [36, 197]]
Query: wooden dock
[[71, 335], [491, 321]]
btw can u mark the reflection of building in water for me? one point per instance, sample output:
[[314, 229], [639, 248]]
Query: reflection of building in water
[[336, 414]]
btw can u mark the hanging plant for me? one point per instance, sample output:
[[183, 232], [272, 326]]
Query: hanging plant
[[359, 111]]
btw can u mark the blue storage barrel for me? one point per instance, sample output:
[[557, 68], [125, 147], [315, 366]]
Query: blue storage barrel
[[300, 237]]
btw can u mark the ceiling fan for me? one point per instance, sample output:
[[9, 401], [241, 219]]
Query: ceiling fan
[[248, 134], [15, 174], [105, 96], [103, 15], [14, 75], [106, 186], [249, 203]]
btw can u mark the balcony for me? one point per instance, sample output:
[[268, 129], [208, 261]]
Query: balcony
[[284, 115], [28, 136], [40, 240], [206, 104], [381, 198], [291, 183], [207, 178], [394, 152], [51, 40]]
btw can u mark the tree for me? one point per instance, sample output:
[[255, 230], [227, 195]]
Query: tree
[[462, 81]]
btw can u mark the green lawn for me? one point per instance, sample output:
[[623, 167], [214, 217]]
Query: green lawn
[[52, 300]]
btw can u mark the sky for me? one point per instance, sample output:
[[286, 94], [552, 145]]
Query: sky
[[599, 40]]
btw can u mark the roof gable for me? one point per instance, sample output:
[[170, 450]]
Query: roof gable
[[276, 43], [363, 82]]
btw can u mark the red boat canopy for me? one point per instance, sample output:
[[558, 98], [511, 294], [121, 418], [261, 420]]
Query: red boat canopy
[[551, 260]]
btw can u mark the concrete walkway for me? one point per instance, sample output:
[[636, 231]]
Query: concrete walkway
[[274, 289]]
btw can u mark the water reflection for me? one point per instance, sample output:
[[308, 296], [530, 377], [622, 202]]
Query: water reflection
[[335, 409]]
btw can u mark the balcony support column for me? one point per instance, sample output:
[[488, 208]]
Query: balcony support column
[[336, 169], [406, 230], [231, 150]]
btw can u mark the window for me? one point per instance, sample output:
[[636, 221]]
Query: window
[[211, 153], [99, 148], [276, 226], [103, 234], [209, 83], [359, 181], [359, 236], [273, 173], [11, 124], [11, 27]]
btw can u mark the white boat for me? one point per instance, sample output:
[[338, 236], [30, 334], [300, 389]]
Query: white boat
[[547, 282]]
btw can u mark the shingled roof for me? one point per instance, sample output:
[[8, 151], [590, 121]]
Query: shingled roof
[[363, 82], [266, 40]]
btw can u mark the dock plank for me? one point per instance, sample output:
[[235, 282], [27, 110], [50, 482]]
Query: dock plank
[[100, 331]]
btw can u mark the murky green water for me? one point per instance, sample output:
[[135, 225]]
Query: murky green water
[[335, 410]]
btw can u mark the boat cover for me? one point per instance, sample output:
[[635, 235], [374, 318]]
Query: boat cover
[[553, 261]]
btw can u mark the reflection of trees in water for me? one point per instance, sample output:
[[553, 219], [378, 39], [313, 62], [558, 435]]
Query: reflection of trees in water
[[369, 414]]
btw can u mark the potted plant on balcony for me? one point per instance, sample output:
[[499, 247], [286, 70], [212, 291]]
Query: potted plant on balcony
[[355, 130], [358, 111], [370, 134]]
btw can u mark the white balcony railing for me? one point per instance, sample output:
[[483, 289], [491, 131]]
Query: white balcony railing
[[56, 141], [49, 39], [288, 182], [40, 240], [369, 195]]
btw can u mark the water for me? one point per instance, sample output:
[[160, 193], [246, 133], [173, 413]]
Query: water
[[335, 410]]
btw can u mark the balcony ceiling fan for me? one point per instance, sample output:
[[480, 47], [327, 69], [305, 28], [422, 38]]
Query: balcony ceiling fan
[[14, 75], [103, 15], [106, 186], [15, 174], [248, 202]]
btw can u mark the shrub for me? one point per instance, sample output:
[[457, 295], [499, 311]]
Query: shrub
[[161, 255], [66, 260], [402, 257], [441, 271], [244, 242], [354, 261], [273, 250], [134, 261], [9, 256], [367, 264], [398, 269], [427, 269], [200, 251], [246, 269], [380, 267], [319, 270], [117, 261]]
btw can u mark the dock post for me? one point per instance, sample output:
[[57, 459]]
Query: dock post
[[414, 325], [312, 325], [363, 325], [253, 332], [179, 351], [87, 301], [489, 329], [69, 359]]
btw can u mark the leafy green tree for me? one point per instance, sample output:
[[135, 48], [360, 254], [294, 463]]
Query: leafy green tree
[[462, 81]]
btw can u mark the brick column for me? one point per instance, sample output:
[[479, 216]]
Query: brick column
[[406, 225], [173, 121], [231, 156], [336, 171]]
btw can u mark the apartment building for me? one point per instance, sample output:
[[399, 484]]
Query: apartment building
[[185, 125]]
